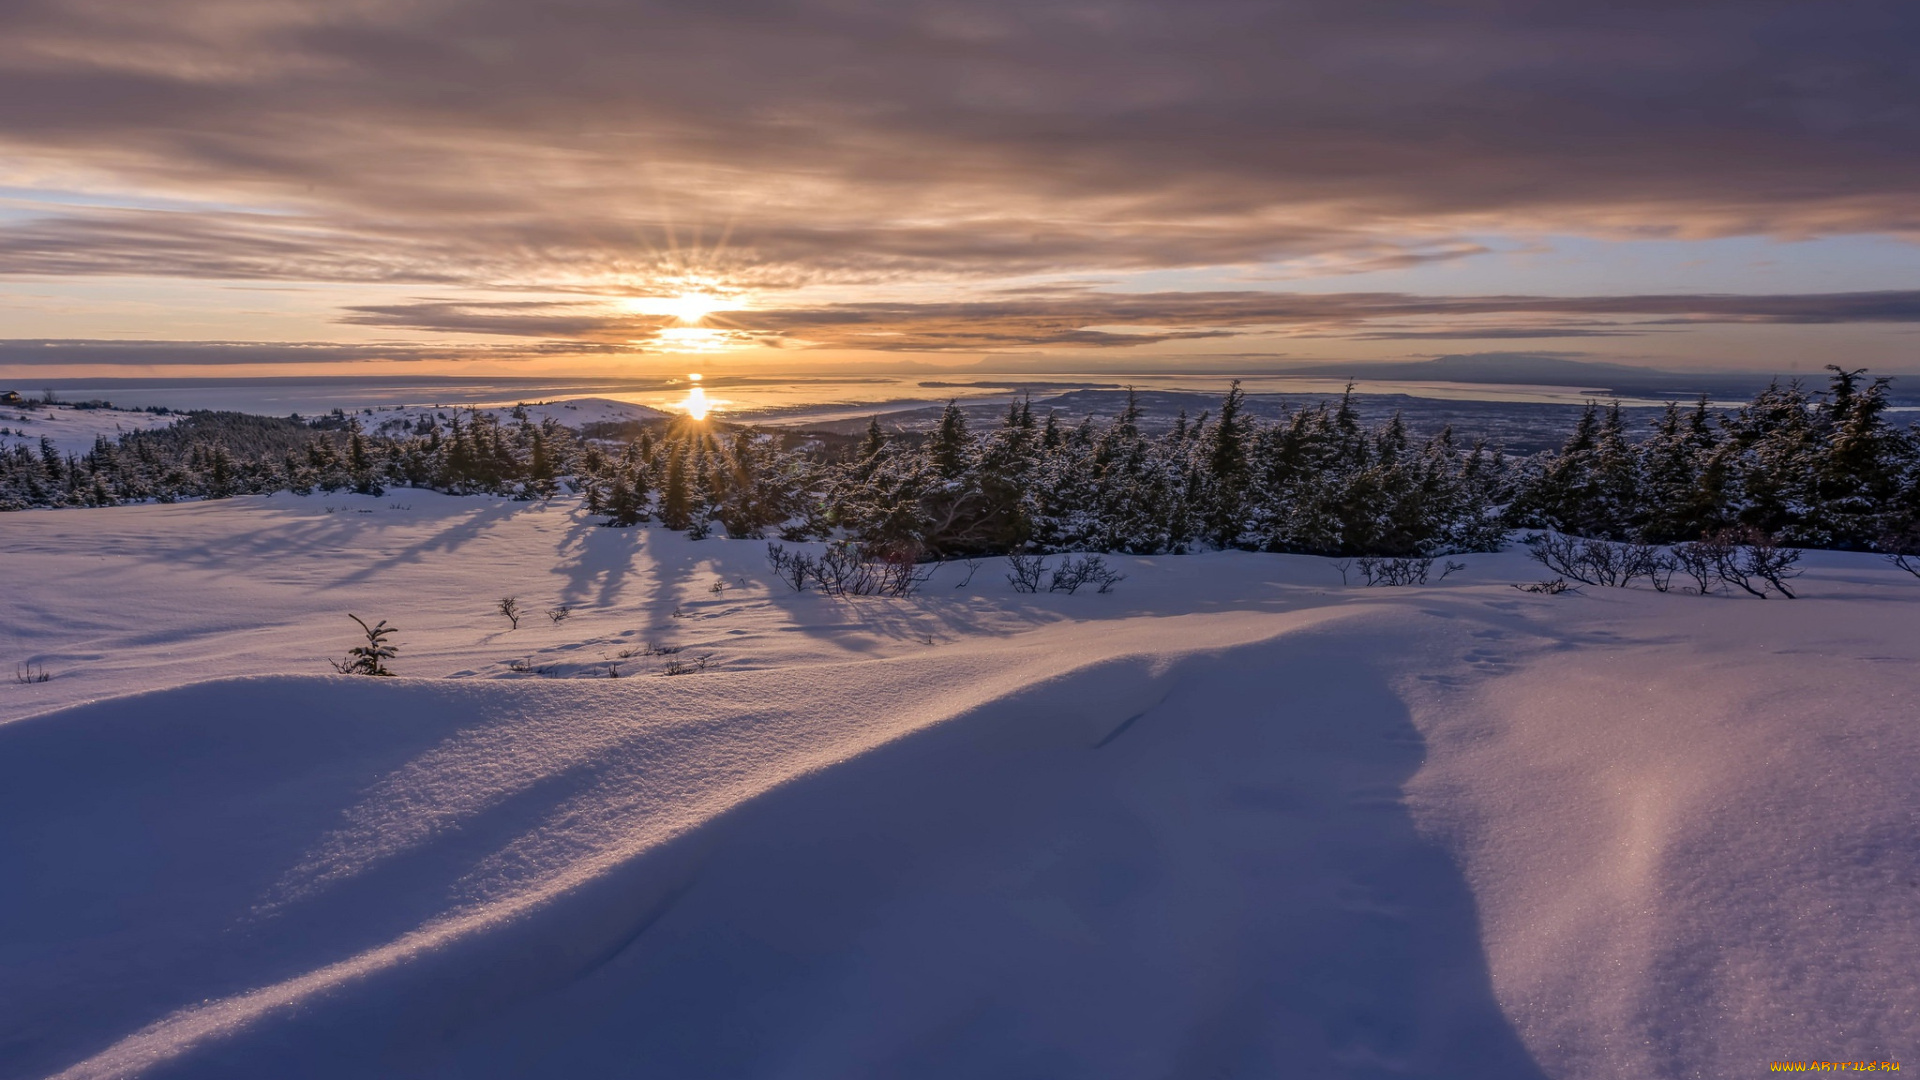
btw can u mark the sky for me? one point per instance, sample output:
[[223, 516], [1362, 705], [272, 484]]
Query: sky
[[493, 187]]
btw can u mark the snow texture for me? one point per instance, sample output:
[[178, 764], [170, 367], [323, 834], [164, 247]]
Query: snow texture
[[1233, 819], [571, 412], [72, 430]]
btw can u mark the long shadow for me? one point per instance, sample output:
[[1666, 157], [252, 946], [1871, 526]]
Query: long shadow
[[449, 540], [186, 810], [597, 561], [1228, 886]]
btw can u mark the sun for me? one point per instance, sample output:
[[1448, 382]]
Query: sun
[[696, 405], [685, 308]]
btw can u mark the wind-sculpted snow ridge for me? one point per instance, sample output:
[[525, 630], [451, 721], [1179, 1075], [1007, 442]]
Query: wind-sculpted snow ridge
[[1102, 852], [1232, 819]]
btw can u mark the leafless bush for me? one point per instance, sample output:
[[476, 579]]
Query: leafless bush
[[526, 667], [1397, 571], [1026, 571], [1762, 558], [796, 568], [1550, 588], [850, 569], [973, 567], [685, 667], [898, 575], [1077, 570], [1749, 559], [1903, 550], [370, 658], [719, 586], [1592, 562], [837, 569], [31, 672], [1648, 561], [559, 614], [1700, 560], [510, 607]]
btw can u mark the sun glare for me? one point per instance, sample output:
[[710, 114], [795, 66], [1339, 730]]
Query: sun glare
[[696, 405], [686, 308]]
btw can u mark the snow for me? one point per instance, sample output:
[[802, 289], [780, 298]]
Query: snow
[[1232, 819], [72, 430], [570, 412]]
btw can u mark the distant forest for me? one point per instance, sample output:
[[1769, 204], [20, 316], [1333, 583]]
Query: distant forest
[[1823, 469]]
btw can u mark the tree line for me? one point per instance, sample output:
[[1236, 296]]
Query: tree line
[[1826, 469]]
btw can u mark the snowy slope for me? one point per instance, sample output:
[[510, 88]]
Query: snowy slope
[[1232, 819], [571, 412], [72, 430]]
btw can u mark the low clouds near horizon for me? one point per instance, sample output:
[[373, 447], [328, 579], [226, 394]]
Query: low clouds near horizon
[[837, 162]]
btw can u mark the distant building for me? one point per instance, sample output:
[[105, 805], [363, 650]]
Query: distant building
[[11, 397]]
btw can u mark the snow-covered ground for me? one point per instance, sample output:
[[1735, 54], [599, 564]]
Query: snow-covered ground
[[1232, 819], [570, 412], [72, 430]]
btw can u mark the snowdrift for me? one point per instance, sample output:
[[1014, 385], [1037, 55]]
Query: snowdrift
[[1231, 820]]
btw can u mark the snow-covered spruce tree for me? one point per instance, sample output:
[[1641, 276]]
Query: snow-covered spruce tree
[[369, 658]]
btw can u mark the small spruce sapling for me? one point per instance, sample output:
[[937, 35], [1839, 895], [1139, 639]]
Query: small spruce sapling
[[370, 658]]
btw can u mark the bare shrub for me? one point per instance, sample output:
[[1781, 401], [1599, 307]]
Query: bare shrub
[[1903, 550], [850, 569], [1749, 559], [1026, 571], [1077, 570], [31, 672], [1648, 561], [796, 568], [719, 586], [896, 574], [686, 667], [526, 667], [369, 658], [1762, 558], [510, 607], [559, 614], [973, 567], [1550, 588], [1700, 560], [1591, 562], [1397, 571]]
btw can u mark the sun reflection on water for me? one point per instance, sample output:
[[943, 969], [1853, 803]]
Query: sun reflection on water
[[696, 405]]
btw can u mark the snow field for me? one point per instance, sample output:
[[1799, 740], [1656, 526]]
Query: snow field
[[1232, 819], [72, 430]]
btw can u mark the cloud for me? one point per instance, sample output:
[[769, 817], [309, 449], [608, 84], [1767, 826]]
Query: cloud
[[1081, 318], [778, 144], [61, 353]]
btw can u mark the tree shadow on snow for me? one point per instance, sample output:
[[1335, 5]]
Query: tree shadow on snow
[[1219, 879]]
